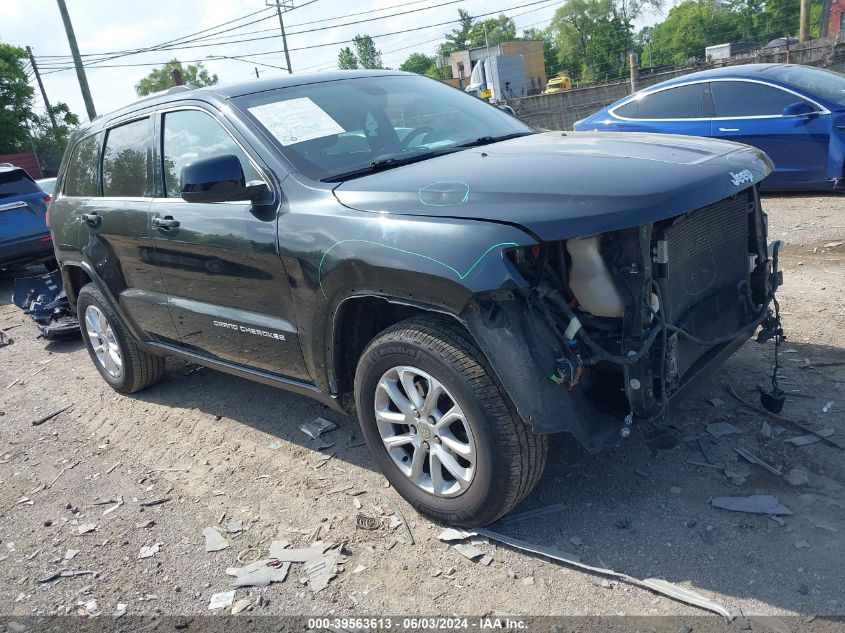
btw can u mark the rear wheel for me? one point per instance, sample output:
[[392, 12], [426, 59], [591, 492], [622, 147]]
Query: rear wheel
[[116, 355], [440, 426]]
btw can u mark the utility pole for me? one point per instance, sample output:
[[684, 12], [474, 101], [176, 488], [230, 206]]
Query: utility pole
[[77, 61], [804, 31], [288, 5], [43, 93], [634, 61]]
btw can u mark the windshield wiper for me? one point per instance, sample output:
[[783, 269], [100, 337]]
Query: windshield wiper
[[487, 140], [386, 163]]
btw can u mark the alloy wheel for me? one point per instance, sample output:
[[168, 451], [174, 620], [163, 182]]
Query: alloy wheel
[[425, 431], [103, 341]]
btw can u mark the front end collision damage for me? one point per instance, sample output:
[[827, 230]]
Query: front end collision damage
[[599, 376]]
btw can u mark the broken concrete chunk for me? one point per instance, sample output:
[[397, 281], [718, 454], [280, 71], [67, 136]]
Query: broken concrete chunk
[[214, 541], [798, 477], [120, 610], [148, 551], [235, 526], [469, 551], [720, 429], [802, 544], [317, 427], [260, 573], [451, 534], [85, 528], [717, 402], [221, 600], [754, 504], [241, 605], [303, 555], [71, 554]]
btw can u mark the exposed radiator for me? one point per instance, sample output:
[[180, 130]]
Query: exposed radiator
[[707, 253]]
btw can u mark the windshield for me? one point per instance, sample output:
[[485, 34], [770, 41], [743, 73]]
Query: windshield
[[334, 128], [825, 84]]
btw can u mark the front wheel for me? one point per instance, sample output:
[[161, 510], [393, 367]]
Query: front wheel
[[440, 427]]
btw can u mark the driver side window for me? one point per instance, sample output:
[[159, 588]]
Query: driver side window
[[190, 135]]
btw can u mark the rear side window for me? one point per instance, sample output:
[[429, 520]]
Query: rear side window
[[15, 183], [683, 102], [126, 161], [81, 176], [742, 98], [191, 135]]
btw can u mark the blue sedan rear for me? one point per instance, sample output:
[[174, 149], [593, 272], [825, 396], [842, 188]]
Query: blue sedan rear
[[796, 114], [24, 236]]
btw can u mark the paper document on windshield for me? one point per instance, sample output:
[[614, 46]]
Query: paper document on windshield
[[296, 120]]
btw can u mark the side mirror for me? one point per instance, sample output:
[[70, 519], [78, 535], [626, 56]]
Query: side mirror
[[507, 109], [219, 179], [798, 109]]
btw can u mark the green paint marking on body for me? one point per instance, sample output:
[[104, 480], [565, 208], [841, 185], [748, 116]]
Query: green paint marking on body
[[461, 276]]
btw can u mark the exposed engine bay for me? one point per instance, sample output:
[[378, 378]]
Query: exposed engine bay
[[626, 319]]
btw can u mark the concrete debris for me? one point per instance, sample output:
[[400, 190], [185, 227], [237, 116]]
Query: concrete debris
[[827, 406], [451, 534], [717, 402], [317, 427], [148, 551], [120, 610], [798, 477], [214, 540], [752, 458], [576, 541], [145, 524], [320, 571], [279, 551], [241, 605], [528, 581], [486, 560], [260, 573], [720, 429], [822, 524], [754, 504], [235, 526], [469, 551], [804, 440], [85, 528], [766, 430], [801, 544], [71, 554], [359, 569], [221, 600], [90, 608]]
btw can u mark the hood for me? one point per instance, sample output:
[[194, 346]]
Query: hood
[[565, 184]]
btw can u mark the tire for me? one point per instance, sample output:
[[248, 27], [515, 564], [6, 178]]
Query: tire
[[125, 366], [499, 460]]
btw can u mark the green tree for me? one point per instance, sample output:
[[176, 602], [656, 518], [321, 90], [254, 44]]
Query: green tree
[[161, 78], [366, 52], [458, 39], [419, 63], [346, 59], [492, 31], [49, 143], [15, 100]]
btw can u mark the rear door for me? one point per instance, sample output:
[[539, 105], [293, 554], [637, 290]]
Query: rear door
[[229, 292], [675, 110], [752, 113], [22, 208], [114, 228]]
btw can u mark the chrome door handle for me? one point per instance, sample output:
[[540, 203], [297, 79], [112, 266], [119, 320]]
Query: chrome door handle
[[92, 219], [729, 129], [166, 223]]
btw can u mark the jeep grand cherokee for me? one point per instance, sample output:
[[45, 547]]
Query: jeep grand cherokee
[[390, 246]]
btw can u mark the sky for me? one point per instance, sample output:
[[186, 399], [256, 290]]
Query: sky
[[315, 29]]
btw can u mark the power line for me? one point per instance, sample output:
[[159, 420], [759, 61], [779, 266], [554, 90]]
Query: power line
[[98, 64]]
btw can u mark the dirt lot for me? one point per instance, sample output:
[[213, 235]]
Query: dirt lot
[[217, 448]]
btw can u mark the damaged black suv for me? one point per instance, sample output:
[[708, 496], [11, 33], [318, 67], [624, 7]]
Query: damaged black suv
[[393, 247]]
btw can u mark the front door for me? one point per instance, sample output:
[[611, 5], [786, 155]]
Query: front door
[[752, 113], [228, 290]]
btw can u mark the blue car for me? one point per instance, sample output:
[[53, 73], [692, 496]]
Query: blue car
[[24, 236], [795, 114]]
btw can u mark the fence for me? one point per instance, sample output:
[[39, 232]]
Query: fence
[[561, 110]]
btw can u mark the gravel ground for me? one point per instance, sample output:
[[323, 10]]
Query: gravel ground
[[213, 448]]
